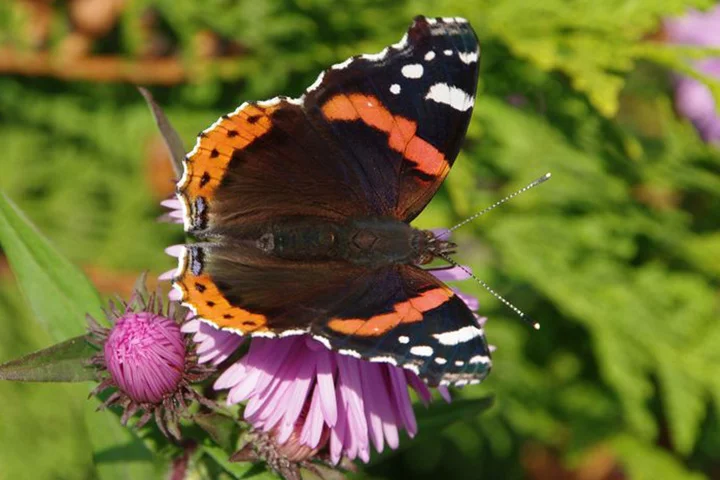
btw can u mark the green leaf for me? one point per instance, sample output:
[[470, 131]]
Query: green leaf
[[58, 293], [117, 452], [64, 362], [223, 430], [643, 462], [442, 415], [60, 296], [238, 469]]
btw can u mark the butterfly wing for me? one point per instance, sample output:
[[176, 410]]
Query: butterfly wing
[[400, 315], [374, 135], [264, 161], [404, 316], [403, 113]]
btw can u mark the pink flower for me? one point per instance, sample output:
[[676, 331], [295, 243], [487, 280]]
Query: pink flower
[[145, 354], [175, 215], [692, 98], [303, 394], [147, 360]]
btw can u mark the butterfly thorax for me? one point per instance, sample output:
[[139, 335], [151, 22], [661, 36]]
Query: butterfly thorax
[[372, 242]]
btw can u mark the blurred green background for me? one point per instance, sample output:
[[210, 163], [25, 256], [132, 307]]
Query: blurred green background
[[618, 255]]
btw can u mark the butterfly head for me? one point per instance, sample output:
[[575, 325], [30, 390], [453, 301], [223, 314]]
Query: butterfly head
[[429, 245]]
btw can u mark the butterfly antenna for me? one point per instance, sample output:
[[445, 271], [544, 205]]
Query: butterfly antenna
[[526, 318], [497, 204]]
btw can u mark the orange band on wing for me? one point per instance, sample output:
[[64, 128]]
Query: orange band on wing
[[400, 130], [210, 304], [409, 311], [206, 167]]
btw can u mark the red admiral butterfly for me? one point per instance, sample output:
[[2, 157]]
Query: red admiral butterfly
[[303, 205]]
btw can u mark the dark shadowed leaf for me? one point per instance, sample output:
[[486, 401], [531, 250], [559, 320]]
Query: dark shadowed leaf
[[439, 416], [64, 362], [223, 430], [255, 471]]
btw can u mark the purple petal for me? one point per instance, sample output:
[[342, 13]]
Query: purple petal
[[376, 402], [419, 386], [337, 435], [169, 275], [444, 393], [312, 430], [326, 385], [176, 251], [352, 394], [298, 394], [448, 274], [443, 233], [172, 203], [402, 400], [471, 302]]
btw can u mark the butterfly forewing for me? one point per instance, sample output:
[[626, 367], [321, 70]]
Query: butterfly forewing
[[404, 112]]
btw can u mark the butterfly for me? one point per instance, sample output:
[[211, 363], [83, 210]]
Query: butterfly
[[301, 208]]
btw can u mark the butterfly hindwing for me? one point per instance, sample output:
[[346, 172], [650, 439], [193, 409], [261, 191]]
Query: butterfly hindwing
[[407, 317], [400, 315]]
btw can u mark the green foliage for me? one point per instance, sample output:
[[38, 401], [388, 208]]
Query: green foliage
[[618, 255], [64, 362], [58, 293]]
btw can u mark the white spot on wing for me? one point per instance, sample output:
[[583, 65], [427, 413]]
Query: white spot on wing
[[429, 55], [404, 339], [343, 65], [422, 351], [479, 359], [459, 363], [413, 70], [440, 361], [461, 383], [323, 340], [262, 334], [412, 367], [469, 57], [269, 103], [395, 88], [453, 96], [383, 359], [376, 57], [461, 335], [447, 52], [349, 353], [290, 333], [317, 82]]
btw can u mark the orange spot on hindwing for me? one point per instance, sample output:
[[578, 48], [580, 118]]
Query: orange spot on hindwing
[[210, 304], [409, 311]]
